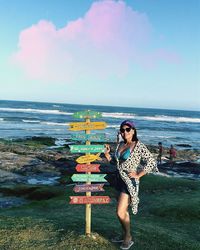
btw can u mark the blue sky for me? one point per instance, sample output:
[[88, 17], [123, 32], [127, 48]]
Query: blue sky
[[137, 53]]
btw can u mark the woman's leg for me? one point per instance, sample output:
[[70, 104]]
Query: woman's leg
[[123, 215]]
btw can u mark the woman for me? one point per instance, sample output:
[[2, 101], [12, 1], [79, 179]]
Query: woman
[[128, 156]]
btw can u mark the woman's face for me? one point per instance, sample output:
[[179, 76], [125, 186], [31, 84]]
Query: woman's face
[[127, 132]]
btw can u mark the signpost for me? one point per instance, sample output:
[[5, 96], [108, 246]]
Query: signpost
[[87, 148], [89, 199], [89, 137], [87, 114], [76, 126], [88, 158], [87, 167], [88, 177], [85, 163], [88, 188]]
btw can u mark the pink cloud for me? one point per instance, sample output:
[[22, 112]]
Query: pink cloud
[[104, 43]]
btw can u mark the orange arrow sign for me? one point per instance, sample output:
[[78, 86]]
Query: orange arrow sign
[[89, 199], [86, 125], [88, 188], [88, 168]]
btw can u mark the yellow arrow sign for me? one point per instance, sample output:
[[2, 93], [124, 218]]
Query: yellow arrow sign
[[88, 158], [87, 125]]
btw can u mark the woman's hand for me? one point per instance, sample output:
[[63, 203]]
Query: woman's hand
[[107, 152], [133, 175], [107, 149]]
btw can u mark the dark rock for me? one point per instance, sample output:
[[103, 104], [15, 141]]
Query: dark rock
[[21, 160], [41, 195], [9, 177], [21, 190], [7, 202], [183, 167], [184, 145], [49, 141]]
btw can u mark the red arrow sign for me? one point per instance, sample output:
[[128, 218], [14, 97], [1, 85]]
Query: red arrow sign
[[88, 188], [87, 167], [89, 199]]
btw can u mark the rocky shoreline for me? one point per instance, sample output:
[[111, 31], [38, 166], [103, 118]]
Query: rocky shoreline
[[23, 160], [33, 163]]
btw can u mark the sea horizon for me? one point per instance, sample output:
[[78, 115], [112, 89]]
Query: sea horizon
[[102, 105]]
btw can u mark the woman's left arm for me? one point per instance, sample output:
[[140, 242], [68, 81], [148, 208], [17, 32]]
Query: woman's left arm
[[150, 163]]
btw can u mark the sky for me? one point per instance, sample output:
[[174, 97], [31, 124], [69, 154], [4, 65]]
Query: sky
[[134, 53]]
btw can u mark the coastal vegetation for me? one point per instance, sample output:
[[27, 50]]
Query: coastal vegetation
[[40, 216], [168, 218]]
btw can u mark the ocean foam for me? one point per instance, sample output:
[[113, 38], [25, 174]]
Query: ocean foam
[[169, 118], [55, 123], [116, 115], [152, 118], [119, 115], [43, 111], [31, 121], [113, 126]]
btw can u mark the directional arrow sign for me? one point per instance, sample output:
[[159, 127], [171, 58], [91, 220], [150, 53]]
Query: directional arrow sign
[[86, 125], [87, 167], [88, 177], [87, 148], [88, 158], [89, 137], [88, 188], [87, 114], [89, 199]]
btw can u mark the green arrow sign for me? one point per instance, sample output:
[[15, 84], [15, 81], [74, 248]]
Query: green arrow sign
[[87, 114], [88, 177], [87, 148], [89, 137]]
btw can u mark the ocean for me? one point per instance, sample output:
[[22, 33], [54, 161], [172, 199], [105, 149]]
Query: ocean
[[27, 119]]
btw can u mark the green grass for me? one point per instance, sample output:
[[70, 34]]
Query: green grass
[[168, 218]]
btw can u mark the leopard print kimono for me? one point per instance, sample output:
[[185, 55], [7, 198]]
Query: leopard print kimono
[[140, 152]]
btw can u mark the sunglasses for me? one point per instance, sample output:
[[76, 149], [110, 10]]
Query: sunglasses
[[122, 130]]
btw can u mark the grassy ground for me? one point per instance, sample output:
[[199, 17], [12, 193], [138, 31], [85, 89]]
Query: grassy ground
[[168, 218]]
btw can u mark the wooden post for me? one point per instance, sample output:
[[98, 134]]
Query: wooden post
[[86, 160], [88, 206]]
